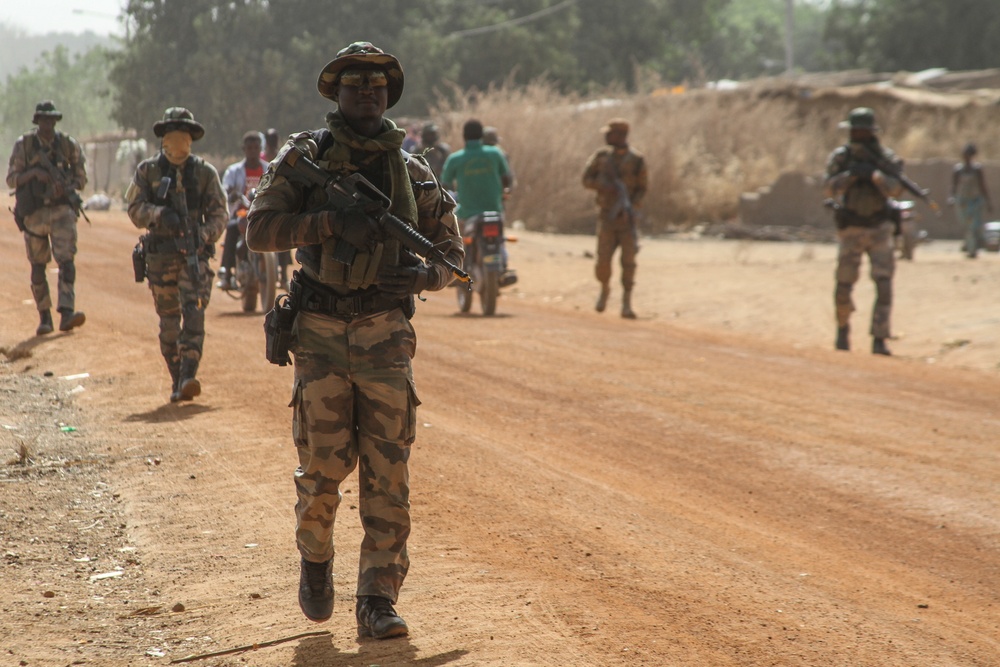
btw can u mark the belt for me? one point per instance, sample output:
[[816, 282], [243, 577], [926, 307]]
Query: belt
[[166, 245], [316, 298]]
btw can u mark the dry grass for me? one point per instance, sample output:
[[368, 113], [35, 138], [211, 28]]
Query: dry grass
[[703, 148]]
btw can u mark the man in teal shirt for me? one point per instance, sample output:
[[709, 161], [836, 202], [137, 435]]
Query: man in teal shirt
[[480, 176]]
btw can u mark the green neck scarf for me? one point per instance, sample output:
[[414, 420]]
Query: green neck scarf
[[389, 140]]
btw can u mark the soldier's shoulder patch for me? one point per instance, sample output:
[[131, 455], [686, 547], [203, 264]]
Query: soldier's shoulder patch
[[265, 180]]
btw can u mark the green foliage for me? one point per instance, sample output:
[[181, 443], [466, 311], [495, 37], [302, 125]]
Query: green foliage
[[76, 84]]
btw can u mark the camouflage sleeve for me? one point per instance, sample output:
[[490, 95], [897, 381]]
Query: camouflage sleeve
[[78, 164], [436, 220], [837, 178], [213, 204], [274, 222], [143, 213], [591, 173], [17, 163]]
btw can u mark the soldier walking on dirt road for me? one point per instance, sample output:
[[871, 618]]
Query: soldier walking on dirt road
[[46, 169], [349, 328], [177, 197], [619, 176], [861, 177]]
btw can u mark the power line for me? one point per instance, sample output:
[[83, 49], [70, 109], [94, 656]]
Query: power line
[[513, 22]]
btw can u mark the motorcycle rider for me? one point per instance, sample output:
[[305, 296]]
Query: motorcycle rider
[[481, 177], [238, 180]]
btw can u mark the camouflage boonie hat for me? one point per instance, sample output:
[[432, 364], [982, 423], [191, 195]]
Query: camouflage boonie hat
[[615, 125], [860, 118], [46, 109], [360, 54], [178, 118]]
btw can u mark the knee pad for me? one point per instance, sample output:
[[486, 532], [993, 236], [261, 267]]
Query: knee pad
[[37, 274]]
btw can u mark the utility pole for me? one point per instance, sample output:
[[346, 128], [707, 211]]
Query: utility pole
[[789, 42]]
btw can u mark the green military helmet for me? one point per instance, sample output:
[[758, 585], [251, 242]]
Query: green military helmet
[[46, 109], [179, 118], [860, 118], [361, 54]]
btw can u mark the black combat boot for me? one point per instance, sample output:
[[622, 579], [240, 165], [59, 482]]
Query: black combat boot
[[188, 387], [602, 299], [878, 347], [843, 337], [627, 311], [44, 323], [377, 618], [316, 590], [70, 319]]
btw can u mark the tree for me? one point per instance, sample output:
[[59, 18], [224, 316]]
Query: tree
[[77, 85]]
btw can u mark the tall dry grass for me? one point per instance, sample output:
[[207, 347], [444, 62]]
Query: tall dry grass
[[703, 147]]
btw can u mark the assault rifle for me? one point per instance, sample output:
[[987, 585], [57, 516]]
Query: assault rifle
[[189, 231], [57, 175], [890, 170], [355, 190], [611, 178]]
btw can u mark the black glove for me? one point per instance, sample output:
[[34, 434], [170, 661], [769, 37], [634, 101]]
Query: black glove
[[356, 227], [863, 170], [170, 221], [404, 280]]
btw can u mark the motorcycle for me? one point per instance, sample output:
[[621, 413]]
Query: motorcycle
[[485, 261], [908, 236], [256, 272]]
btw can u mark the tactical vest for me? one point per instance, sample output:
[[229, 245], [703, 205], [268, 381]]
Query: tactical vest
[[863, 198], [318, 258], [34, 194], [192, 190]]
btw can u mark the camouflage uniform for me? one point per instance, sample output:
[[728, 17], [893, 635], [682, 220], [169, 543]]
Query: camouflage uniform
[[354, 399], [179, 304], [864, 225], [614, 228], [50, 229]]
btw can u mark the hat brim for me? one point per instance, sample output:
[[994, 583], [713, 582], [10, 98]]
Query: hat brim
[[846, 125], [46, 114], [327, 83], [193, 128]]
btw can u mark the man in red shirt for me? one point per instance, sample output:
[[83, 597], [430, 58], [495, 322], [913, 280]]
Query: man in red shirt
[[239, 179]]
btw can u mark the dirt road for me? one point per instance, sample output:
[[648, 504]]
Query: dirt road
[[710, 485]]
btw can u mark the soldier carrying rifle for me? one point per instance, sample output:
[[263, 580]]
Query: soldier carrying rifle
[[178, 199], [618, 174], [46, 169], [862, 177], [372, 228]]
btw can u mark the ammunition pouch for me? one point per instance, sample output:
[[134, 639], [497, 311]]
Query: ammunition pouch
[[278, 325], [139, 260]]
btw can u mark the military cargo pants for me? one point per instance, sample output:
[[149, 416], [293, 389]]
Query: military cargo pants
[[610, 237], [182, 322], [877, 243], [355, 407], [51, 232]]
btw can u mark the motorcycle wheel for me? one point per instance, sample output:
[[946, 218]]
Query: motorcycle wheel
[[491, 290], [268, 276], [464, 298], [248, 288]]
